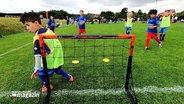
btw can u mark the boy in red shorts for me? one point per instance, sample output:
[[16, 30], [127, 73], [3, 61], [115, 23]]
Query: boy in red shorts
[[81, 20], [153, 24]]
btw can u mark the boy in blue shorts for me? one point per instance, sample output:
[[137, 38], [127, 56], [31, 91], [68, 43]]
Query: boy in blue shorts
[[81, 20], [165, 23], [129, 22], [53, 50], [153, 23]]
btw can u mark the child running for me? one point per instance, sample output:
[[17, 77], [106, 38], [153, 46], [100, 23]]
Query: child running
[[128, 23], [153, 23], [165, 23]]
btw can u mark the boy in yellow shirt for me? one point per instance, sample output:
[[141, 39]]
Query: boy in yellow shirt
[[53, 50], [129, 22], [165, 23]]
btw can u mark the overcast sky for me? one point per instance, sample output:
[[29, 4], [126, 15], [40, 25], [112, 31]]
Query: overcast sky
[[89, 6]]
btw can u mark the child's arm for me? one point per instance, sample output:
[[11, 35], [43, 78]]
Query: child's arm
[[160, 14], [85, 20], [37, 66], [48, 23], [152, 27], [37, 54], [125, 23], [172, 12], [76, 21]]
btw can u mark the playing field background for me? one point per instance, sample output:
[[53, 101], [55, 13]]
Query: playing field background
[[157, 67]]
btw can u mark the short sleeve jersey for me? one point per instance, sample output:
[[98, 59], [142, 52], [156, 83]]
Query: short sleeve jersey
[[79, 20], [37, 45], [153, 22]]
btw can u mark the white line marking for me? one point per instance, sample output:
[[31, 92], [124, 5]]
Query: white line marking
[[15, 49], [96, 92]]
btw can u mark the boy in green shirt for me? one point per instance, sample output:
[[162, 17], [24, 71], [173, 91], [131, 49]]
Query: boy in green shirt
[[53, 49], [128, 23], [165, 23]]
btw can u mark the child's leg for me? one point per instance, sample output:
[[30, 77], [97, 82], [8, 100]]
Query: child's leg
[[128, 30], [41, 75], [165, 30], [63, 73], [161, 34], [42, 79], [83, 33], [148, 40], [44, 87], [79, 33], [157, 39]]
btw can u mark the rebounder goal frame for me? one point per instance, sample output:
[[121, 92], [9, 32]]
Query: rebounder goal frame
[[131, 95]]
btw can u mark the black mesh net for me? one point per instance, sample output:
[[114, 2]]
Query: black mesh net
[[99, 68]]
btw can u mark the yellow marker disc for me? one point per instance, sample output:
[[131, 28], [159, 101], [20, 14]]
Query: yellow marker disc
[[106, 60], [75, 61]]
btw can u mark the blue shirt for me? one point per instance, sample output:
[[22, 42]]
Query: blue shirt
[[51, 24], [79, 20], [37, 50], [153, 22]]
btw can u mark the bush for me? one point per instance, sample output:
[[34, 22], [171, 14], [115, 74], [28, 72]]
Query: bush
[[10, 25]]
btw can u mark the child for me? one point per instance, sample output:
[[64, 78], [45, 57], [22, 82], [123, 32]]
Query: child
[[51, 23], [153, 23], [128, 23], [81, 19], [54, 54], [166, 20]]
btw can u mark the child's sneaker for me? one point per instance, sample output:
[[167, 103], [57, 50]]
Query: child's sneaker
[[71, 78], [160, 45], [146, 48], [44, 88]]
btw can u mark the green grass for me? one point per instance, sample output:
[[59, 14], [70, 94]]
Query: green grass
[[161, 67], [12, 25]]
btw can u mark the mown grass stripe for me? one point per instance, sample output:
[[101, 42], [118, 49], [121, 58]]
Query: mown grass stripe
[[118, 91], [15, 49]]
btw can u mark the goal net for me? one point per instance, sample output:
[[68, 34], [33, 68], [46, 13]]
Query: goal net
[[101, 67]]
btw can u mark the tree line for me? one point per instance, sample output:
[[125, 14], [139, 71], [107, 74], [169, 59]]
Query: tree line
[[61, 14]]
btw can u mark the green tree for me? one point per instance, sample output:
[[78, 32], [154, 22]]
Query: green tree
[[90, 16], [42, 13], [107, 14], [144, 16], [180, 15], [140, 14], [123, 13]]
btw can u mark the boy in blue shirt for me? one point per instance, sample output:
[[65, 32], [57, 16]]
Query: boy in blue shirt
[[153, 24], [51, 23], [81, 20], [52, 48]]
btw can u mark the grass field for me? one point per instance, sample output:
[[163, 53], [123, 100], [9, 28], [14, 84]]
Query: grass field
[[8, 25], [158, 67]]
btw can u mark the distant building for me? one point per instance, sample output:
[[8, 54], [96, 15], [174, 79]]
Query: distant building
[[12, 15]]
